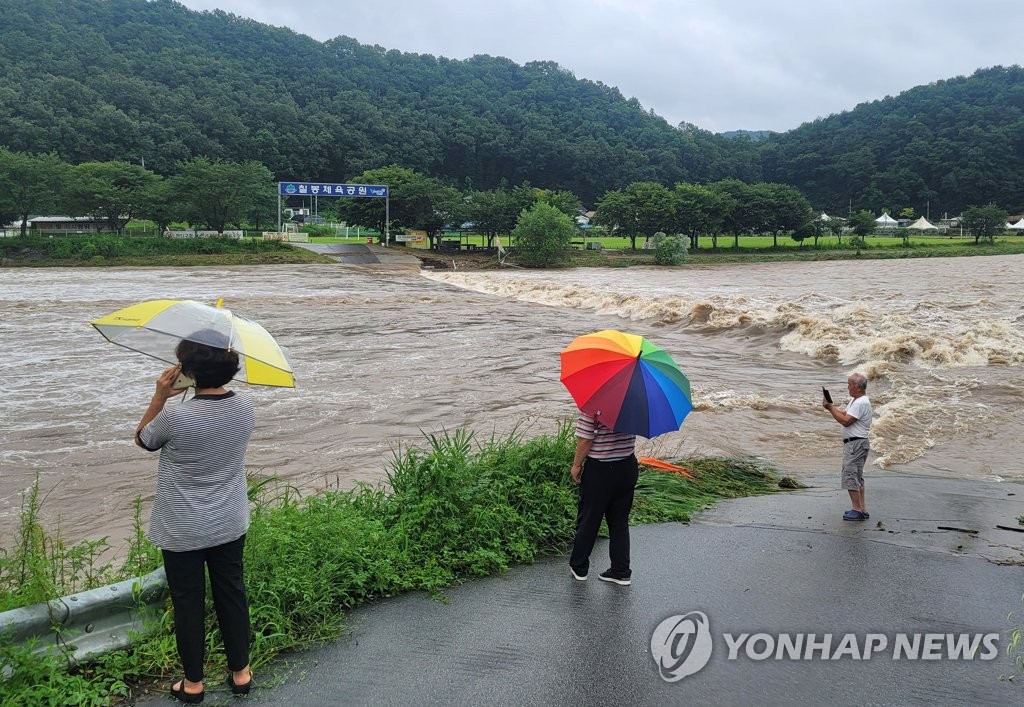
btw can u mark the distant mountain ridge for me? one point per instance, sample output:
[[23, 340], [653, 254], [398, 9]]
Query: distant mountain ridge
[[102, 79], [941, 147], [155, 81], [754, 135]]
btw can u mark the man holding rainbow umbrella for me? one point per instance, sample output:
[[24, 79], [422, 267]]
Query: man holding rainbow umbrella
[[624, 386]]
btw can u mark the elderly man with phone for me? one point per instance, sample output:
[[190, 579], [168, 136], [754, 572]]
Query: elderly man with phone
[[856, 422]]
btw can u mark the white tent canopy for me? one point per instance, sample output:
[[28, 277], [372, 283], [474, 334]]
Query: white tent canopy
[[886, 221], [922, 224], [1019, 226]]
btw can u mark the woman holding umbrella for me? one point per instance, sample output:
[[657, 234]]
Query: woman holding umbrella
[[201, 509]]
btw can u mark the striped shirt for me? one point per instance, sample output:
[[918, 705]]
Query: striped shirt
[[201, 491], [608, 444]]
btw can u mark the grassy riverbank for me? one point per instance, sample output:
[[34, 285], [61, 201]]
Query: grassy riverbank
[[752, 250], [453, 510], [134, 251], [110, 250]]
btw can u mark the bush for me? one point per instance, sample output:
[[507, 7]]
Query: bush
[[315, 230], [669, 250], [542, 236]]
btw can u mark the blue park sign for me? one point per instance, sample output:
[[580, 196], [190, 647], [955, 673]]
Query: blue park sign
[[322, 189]]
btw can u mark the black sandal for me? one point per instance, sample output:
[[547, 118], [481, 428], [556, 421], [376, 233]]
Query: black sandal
[[189, 698], [239, 689]]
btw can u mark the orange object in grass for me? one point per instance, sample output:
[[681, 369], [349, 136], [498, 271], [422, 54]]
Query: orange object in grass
[[662, 465]]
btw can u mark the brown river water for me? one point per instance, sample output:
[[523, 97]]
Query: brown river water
[[383, 356]]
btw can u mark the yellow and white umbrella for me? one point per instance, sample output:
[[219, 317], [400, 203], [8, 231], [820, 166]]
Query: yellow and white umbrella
[[155, 327]]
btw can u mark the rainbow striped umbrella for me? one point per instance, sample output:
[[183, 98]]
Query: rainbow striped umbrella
[[626, 383]]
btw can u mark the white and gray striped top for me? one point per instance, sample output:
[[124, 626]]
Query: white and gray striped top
[[608, 445], [201, 494]]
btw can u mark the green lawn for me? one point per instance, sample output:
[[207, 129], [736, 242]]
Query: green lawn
[[748, 244]]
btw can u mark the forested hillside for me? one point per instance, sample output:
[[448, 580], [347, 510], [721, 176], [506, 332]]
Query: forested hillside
[[128, 79], [156, 82], [940, 147]]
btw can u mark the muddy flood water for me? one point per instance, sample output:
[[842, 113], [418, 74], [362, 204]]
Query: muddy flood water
[[383, 356]]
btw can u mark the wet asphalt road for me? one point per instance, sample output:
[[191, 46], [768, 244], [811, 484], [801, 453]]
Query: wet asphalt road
[[782, 564]]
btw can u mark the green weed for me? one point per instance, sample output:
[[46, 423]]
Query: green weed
[[453, 510]]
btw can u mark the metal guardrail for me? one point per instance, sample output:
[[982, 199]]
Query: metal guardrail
[[88, 624]]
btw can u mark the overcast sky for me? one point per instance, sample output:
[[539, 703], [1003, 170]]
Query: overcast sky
[[720, 64]]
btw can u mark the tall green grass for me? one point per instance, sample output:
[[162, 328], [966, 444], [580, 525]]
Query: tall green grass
[[108, 249], [450, 511], [41, 565]]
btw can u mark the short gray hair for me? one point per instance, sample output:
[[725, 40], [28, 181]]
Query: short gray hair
[[859, 380]]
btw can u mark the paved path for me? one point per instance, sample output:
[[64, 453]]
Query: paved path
[[360, 254], [780, 564]]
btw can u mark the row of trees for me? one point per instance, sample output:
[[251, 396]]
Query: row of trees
[[641, 209], [219, 193], [728, 206], [210, 192]]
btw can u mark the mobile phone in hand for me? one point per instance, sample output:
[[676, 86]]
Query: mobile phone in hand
[[183, 381], [828, 396]]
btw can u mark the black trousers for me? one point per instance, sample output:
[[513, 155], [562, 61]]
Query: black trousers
[[186, 578], [606, 491]]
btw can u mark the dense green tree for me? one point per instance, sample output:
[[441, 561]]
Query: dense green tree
[[543, 236], [565, 201], [262, 214], [698, 210], [494, 212], [654, 205], [216, 193], [783, 208], [115, 192], [160, 205], [616, 213], [984, 222], [743, 213], [446, 207], [642, 208], [29, 185], [862, 222], [815, 228], [836, 226], [416, 201]]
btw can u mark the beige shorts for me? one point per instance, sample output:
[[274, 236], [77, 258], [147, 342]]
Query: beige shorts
[[855, 454]]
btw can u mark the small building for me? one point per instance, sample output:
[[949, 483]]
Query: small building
[[64, 225], [584, 218]]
